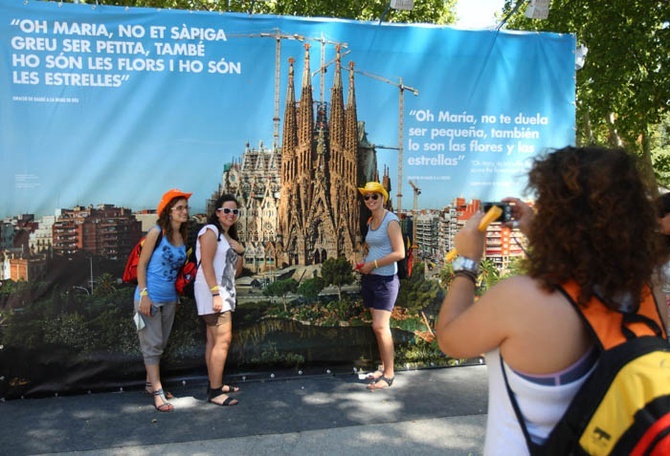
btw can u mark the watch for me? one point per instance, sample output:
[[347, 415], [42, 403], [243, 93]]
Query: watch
[[467, 265]]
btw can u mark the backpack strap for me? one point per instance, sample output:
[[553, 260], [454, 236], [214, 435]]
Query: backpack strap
[[532, 446], [611, 327], [158, 239]]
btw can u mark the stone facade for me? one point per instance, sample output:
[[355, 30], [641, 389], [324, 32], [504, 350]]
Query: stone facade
[[299, 205]]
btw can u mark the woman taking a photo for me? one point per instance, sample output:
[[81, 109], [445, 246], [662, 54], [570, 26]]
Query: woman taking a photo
[[220, 256], [594, 227], [384, 247], [163, 253]]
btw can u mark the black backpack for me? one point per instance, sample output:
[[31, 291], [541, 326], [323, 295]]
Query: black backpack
[[623, 408]]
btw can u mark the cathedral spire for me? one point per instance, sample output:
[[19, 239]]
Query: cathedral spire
[[337, 106]]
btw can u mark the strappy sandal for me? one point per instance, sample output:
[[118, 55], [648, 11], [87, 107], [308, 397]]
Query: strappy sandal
[[165, 406], [225, 389], [389, 381], [373, 376], [216, 392], [149, 392]]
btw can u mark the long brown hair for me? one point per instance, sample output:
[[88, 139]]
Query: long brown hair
[[166, 226], [596, 223]]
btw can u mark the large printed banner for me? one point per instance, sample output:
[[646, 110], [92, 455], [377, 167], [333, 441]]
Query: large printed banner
[[102, 104]]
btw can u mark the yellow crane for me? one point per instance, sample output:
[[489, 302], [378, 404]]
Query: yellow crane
[[401, 110]]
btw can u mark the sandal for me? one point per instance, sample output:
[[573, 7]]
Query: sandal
[[216, 392], [224, 389], [374, 386], [165, 406], [148, 391], [374, 376]]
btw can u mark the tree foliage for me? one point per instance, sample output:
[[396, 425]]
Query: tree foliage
[[623, 90], [281, 288], [425, 11], [310, 288], [337, 272]]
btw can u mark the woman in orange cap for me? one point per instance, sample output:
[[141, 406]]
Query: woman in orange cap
[[163, 253], [380, 283]]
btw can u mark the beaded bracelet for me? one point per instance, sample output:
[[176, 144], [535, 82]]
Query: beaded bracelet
[[215, 294]]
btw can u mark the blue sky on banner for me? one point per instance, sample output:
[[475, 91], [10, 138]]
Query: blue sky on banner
[[89, 115]]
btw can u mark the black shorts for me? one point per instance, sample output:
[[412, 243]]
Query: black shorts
[[380, 292]]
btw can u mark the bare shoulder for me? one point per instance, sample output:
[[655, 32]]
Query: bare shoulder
[[519, 289], [526, 299]]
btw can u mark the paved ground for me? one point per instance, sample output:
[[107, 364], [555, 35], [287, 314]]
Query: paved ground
[[428, 411]]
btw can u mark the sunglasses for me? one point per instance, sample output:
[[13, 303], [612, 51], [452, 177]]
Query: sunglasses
[[374, 196], [181, 208], [227, 210]]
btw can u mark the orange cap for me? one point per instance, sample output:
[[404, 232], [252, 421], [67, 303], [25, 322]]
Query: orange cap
[[169, 196]]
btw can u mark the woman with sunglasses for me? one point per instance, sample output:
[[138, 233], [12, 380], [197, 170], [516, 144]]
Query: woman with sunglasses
[[384, 247], [220, 256], [163, 253]]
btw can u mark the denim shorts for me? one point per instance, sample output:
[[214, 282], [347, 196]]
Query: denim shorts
[[380, 292]]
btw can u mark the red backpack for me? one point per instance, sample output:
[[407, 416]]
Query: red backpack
[[186, 275], [130, 271]]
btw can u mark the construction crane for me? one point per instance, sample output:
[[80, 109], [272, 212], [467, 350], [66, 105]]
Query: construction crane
[[401, 110], [415, 209], [324, 65], [278, 36], [324, 68]]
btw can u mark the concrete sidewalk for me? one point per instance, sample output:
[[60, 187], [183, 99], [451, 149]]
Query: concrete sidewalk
[[433, 410]]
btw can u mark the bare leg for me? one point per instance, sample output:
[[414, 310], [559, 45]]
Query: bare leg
[[381, 326], [153, 374], [208, 353], [219, 337]]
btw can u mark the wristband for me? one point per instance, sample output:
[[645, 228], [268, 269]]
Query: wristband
[[144, 292], [215, 294], [376, 264], [466, 274], [214, 288]]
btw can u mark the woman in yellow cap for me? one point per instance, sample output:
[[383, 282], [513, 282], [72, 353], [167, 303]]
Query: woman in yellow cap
[[163, 253], [380, 283]]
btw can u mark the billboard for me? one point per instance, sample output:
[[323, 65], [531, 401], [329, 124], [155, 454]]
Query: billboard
[[103, 105]]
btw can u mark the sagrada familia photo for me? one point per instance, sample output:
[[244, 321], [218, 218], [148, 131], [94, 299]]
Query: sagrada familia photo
[[299, 202]]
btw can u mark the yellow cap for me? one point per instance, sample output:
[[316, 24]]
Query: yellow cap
[[374, 187]]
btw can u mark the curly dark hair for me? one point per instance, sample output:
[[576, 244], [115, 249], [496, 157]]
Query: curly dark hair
[[663, 210], [214, 218], [166, 226], [596, 223]]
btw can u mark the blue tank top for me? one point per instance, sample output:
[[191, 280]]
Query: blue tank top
[[380, 245], [162, 272]]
